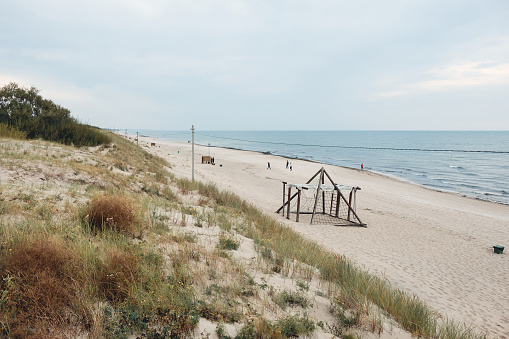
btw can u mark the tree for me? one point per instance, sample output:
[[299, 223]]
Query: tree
[[24, 109], [20, 103]]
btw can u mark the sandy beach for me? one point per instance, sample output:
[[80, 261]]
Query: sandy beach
[[434, 244]]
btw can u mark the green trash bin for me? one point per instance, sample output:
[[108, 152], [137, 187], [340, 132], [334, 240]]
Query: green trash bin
[[498, 249]]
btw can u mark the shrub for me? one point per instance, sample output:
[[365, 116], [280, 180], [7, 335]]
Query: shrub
[[36, 288], [10, 132], [117, 274], [114, 212]]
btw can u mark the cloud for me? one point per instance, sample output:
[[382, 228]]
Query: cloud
[[455, 76]]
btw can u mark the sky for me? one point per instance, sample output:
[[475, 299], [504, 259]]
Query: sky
[[264, 64]]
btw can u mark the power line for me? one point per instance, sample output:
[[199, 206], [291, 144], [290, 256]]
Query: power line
[[357, 147]]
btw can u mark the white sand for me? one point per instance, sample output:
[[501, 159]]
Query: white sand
[[434, 244]]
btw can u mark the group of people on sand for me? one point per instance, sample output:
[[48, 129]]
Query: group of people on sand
[[288, 165]]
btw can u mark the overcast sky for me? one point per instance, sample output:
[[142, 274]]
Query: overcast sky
[[264, 64]]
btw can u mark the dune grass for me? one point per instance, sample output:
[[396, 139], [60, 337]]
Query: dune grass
[[10, 132]]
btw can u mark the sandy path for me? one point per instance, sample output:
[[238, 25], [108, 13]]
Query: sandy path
[[434, 244]]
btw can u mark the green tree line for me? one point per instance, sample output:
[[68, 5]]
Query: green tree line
[[25, 110]]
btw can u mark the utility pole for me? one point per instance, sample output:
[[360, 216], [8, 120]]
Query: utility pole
[[192, 129]]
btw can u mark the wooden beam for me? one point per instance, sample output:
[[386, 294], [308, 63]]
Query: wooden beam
[[338, 199], [350, 208], [288, 207], [284, 185], [349, 205], [298, 206], [286, 203], [331, 203], [316, 195], [323, 195], [314, 176]]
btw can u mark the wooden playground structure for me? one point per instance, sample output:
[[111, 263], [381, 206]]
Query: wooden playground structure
[[321, 201]]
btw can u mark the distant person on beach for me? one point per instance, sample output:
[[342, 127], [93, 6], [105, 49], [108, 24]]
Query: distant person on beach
[[286, 163], [290, 166], [212, 160], [362, 166], [268, 165]]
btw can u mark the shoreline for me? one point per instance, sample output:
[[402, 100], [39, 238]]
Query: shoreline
[[345, 167], [434, 244]]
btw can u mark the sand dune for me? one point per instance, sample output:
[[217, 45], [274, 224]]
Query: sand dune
[[434, 244]]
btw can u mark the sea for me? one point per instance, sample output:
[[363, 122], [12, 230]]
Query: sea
[[470, 163]]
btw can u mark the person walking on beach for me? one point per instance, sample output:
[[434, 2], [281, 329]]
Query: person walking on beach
[[290, 166], [287, 164], [362, 166], [268, 165]]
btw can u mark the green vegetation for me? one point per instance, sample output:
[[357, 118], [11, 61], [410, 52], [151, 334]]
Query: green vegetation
[[121, 247], [290, 298], [26, 111], [227, 242], [7, 131]]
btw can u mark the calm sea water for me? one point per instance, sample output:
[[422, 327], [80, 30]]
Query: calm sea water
[[474, 164]]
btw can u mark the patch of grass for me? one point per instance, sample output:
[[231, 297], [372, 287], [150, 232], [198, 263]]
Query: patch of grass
[[221, 331], [10, 132], [290, 298], [248, 331], [37, 287], [215, 312], [296, 326], [112, 212], [117, 272], [302, 285], [227, 242]]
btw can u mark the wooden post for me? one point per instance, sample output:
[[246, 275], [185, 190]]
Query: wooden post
[[298, 206], [192, 153], [284, 185], [323, 194], [331, 203], [338, 198], [288, 208], [350, 204]]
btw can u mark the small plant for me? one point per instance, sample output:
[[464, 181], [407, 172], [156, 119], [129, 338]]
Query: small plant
[[302, 285], [266, 253], [227, 242], [122, 166], [290, 298], [221, 332], [295, 326], [278, 265], [199, 221], [347, 312], [248, 331]]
